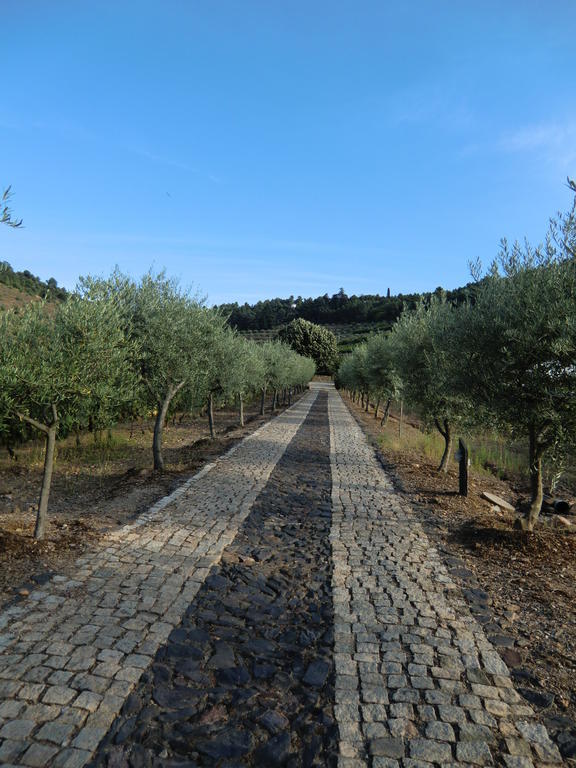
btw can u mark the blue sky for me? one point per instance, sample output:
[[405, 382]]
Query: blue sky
[[258, 149]]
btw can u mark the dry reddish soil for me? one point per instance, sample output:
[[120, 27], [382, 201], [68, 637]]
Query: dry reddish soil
[[530, 579], [97, 487]]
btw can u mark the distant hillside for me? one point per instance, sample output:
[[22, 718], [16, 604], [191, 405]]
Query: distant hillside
[[11, 298], [19, 288]]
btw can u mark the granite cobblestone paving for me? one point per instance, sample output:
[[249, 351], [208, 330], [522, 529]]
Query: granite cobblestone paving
[[73, 652], [284, 607], [417, 681], [247, 678]]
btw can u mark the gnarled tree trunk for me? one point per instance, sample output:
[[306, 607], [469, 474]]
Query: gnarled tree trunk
[[211, 415], [447, 435], [386, 412], [536, 486], [50, 430], [159, 426], [262, 401], [240, 409]]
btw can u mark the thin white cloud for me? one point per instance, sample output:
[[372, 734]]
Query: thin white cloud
[[260, 247], [69, 129], [162, 160], [432, 106], [556, 140]]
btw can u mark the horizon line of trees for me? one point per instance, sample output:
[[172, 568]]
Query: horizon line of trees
[[505, 361], [336, 309], [271, 313], [119, 349]]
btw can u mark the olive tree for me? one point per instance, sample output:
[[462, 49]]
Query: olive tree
[[249, 373], [359, 361], [520, 345], [303, 372], [282, 368], [345, 378], [426, 357], [269, 353], [236, 371], [383, 379], [58, 366], [275, 354], [221, 377], [173, 334], [6, 216], [298, 370]]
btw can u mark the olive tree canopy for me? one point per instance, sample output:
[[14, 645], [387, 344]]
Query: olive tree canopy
[[59, 366], [520, 344], [173, 334]]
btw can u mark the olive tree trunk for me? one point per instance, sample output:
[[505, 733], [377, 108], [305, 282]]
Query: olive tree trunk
[[211, 415], [240, 409], [274, 400], [386, 412], [376, 407], [446, 433], [50, 431], [536, 484], [159, 425], [262, 401]]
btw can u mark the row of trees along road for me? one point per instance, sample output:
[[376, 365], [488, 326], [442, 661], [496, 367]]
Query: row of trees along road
[[505, 360], [118, 349]]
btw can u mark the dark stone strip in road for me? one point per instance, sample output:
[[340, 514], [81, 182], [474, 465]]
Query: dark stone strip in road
[[247, 678]]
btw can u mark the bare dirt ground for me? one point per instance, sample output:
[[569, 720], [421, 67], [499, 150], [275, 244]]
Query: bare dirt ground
[[522, 586], [97, 486]]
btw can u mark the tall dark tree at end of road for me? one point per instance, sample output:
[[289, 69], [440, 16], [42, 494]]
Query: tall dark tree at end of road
[[313, 341]]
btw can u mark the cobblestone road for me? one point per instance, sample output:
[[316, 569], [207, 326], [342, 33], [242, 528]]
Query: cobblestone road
[[70, 656], [217, 630], [247, 678], [417, 681]]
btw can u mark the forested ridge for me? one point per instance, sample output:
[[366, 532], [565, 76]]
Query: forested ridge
[[28, 283], [271, 313], [339, 308]]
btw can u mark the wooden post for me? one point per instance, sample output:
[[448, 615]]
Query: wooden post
[[463, 467]]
